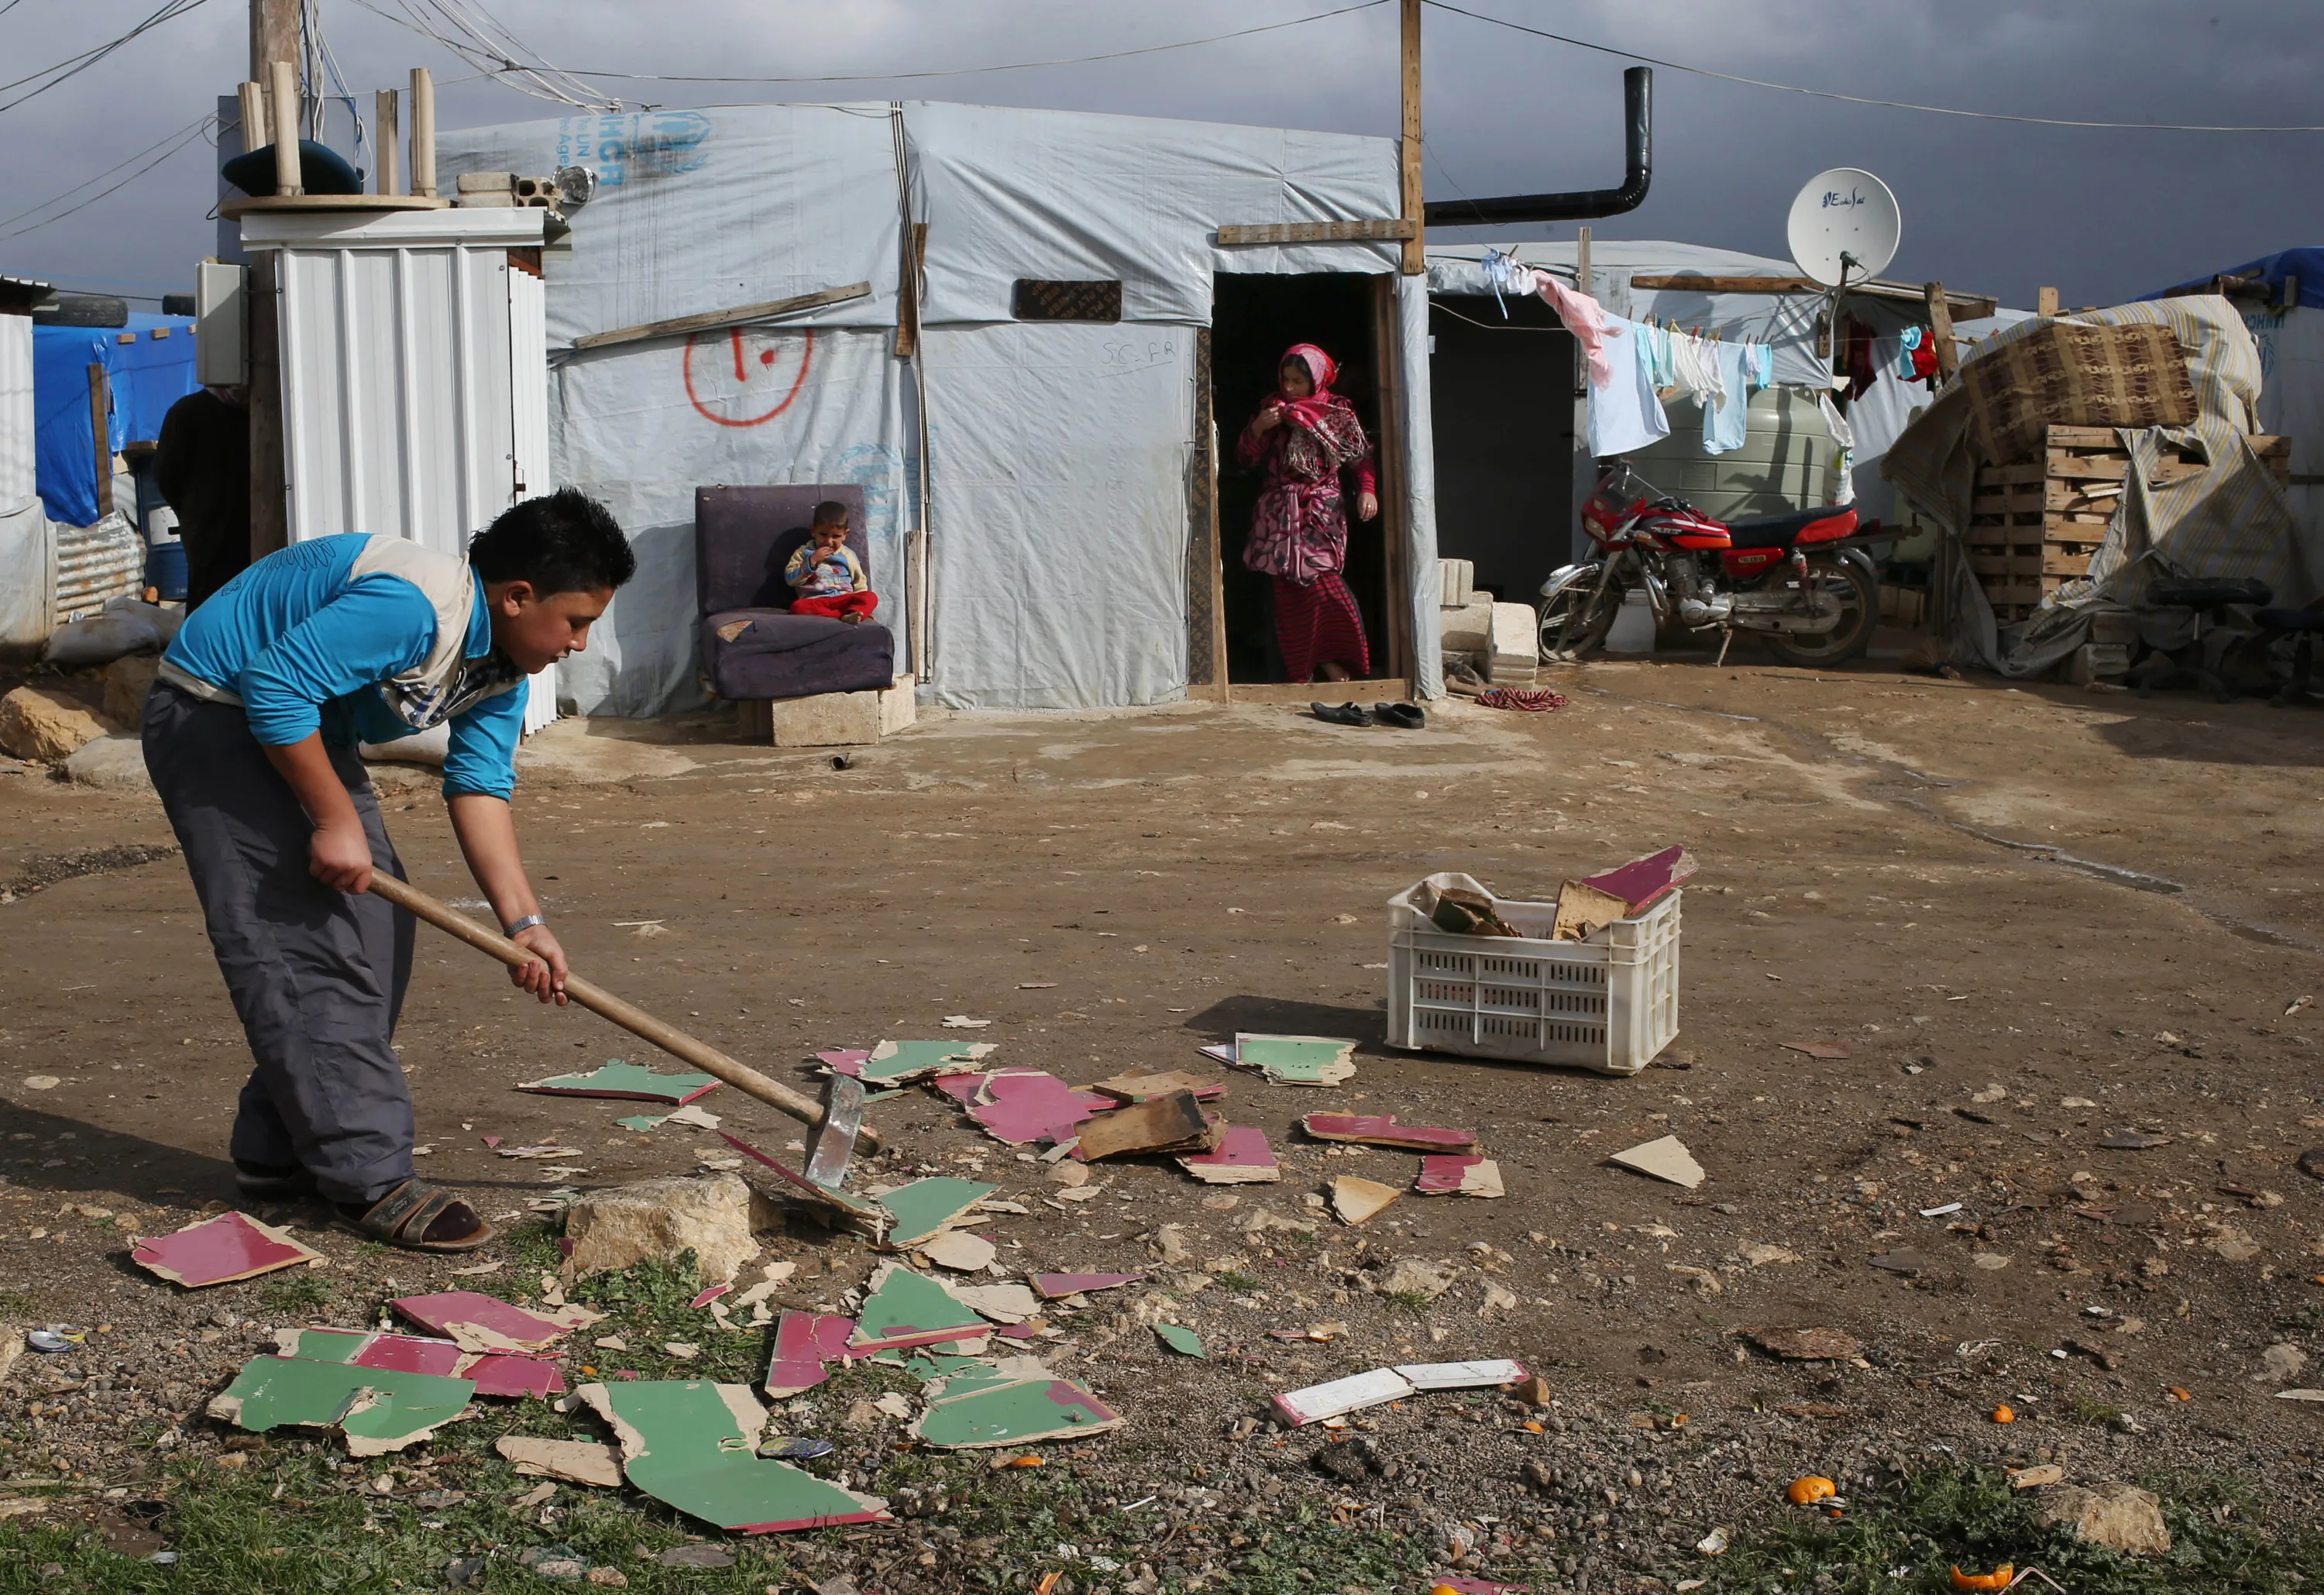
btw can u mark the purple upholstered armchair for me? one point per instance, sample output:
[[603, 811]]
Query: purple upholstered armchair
[[742, 537]]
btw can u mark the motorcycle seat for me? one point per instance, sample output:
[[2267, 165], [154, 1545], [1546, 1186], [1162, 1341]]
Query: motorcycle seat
[[1779, 532]]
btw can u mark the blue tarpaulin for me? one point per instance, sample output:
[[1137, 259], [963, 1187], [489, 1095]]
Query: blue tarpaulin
[[2307, 265], [146, 376]]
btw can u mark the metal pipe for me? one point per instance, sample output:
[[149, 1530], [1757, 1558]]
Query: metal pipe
[[1579, 205]]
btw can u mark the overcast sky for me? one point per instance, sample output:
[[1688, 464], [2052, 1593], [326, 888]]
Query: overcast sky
[[1989, 206]]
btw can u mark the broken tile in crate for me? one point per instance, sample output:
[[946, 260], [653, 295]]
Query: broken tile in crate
[[626, 1081], [479, 1322], [1582, 911], [219, 1250], [902, 1308], [1053, 1286], [1453, 1176], [898, 1063], [1381, 1130], [1132, 1084], [1296, 1060], [1643, 883], [1339, 1397], [1014, 1413], [1242, 1157], [1358, 1201], [923, 1207], [804, 1343], [1022, 1106], [1666, 1159], [1169, 1123], [693, 1446], [378, 1409]]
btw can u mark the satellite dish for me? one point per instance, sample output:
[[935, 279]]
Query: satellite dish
[[1844, 226]]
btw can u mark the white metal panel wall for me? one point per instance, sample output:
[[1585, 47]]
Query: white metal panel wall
[[395, 391], [18, 478], [528, 324]]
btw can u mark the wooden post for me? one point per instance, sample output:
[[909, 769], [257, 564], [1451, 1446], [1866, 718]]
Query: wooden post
[[274, 36], [1941, 323], [423, 132], [257, 133], [283, 101], [99, 404], [1416, 259], [907, 297], [1584, 278], [384, 139], [270, 513], [1393, 449], [2045, 301]]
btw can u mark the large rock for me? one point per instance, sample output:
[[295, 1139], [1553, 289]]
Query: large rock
[[2119, 1517], [47, 726], [127, 680], [657, 1219], [112, 763]]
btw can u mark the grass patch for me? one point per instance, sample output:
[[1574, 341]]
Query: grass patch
[[296, 1296], [1237, 1283], [1414, 1302], [1905, 1541], [2086, 1410], [18, 1304]]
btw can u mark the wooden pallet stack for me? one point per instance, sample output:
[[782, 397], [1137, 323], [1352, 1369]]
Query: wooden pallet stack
[[2034, 525]]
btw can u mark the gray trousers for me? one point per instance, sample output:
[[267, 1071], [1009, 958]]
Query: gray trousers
[[317, 975]]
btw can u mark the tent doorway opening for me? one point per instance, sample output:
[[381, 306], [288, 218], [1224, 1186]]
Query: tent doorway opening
[[1254, 319]]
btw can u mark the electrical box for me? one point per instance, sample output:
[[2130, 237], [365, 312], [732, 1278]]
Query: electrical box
[[221, 341]]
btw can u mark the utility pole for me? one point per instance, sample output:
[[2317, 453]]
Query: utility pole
[[1415, 260], [274, 36]]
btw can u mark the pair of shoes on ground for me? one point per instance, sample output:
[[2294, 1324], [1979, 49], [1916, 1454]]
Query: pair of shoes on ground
[[1403, 717], [415, 1214]]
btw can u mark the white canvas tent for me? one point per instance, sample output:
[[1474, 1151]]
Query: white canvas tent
[[1055, 465]]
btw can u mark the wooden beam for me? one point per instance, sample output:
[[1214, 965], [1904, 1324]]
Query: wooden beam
[[1941, 323], [1394, 449], [1732, 284], [102, 439], [423, 133], [908, 308], [1584, 278], [1387, 228], [270, 506], [282, 99], [1415, 258], [386, 140], [2045, 301], [708, 319]]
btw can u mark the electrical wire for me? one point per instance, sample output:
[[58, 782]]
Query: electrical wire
[[494, 57], [1857, 99], [1075, 61], [74, 65], [184, 138]]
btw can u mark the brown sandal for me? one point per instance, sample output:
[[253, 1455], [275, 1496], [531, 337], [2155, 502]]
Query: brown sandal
[[405, 1215]]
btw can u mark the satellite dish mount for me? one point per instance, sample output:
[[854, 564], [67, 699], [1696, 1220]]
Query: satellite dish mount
[[1844, 227]]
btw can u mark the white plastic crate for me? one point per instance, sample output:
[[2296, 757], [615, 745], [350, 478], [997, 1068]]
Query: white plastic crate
[[1606, 1005]]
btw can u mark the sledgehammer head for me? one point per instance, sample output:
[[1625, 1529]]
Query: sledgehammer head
[[833, 1142]]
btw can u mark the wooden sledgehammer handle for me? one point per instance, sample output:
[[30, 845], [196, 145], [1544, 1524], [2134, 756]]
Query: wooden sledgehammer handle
[[629, 1015]]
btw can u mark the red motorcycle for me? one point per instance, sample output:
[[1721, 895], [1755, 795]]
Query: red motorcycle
[[1805, 581]]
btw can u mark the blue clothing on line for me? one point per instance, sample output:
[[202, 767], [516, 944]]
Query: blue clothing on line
[[303, 647], [1727, 421]]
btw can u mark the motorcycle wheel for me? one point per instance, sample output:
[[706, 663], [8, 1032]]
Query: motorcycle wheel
[[1571, 627], [1858, 596]]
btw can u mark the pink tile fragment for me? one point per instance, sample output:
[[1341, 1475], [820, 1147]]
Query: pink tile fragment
[[468, 1306], [406, 1353], [804, 1343], [1022, 1106], [962, 1088], [709, 1296], [1050, 1287], [1244, 1145], [497, 1374], [844, 1060], [1381, 1130], [214, 1251]]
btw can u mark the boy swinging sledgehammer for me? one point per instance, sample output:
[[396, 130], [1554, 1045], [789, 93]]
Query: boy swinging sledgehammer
[[251, 736]]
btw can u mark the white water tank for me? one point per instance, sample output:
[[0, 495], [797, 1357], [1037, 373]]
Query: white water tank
[[1785, 463]]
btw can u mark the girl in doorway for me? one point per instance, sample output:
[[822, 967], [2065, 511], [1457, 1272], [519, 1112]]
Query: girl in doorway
[[1304, 436]]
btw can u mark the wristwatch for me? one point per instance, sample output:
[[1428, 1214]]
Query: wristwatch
[[525, 923]]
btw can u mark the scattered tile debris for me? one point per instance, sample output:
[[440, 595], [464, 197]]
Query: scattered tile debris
[[902, 1308], [1131, 1086], [1173, 1122], [1804, 1345], [1450, 1175], [963, 1251], [219, 1250], [693, 1446], [1022, 1106], [1818, 1049], [836, 1206], [627, 1082], [574, 1461], [1013, 1412], [1054, 1286], [479, 1322], [1357, 1200], [377, 1409], [1338, 1398], [1296, 1060], [1381, 1130], [1242, 1158], [804, 1343], [899, 1063], [1643, 883], [1185, 1342], [926, 1207], [1666, 1159]]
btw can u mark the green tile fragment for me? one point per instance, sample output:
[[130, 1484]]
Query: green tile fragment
[[693, 1445], [1183, 1341], [640, 1122], [379, 1409], [908, 1309], [322, 1345], [1296, 1060], [894, 1063], [627, 1080], [1014, 1413], [926, 1206]]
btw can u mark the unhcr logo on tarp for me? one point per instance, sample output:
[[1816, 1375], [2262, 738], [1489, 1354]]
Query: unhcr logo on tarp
[[648, 144]]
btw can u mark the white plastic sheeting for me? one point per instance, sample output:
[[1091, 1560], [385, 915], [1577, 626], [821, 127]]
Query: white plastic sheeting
[[1420, 492], [19, 476], [528, 342], [2291, 405], [25, 599], [1059, 494]]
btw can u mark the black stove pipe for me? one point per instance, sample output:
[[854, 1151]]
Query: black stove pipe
[[1582, 205]]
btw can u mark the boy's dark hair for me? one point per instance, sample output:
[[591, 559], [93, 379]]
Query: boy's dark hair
[[567, 542], [830, 512]]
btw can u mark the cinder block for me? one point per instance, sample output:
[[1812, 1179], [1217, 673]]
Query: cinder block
[[899, 707], [1515, 653], [1468, 629], [828, 720], [2098, 661]]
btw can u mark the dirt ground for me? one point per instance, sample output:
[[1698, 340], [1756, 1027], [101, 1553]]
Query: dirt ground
[[2034, 918]]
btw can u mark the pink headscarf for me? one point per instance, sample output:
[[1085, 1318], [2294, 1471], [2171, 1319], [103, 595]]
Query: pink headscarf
[[1322, 371]]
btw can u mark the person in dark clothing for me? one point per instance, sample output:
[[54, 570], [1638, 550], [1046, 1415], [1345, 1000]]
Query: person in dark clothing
[[202, 466]]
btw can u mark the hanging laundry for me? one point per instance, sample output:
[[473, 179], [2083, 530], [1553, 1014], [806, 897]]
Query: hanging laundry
[[1727, 419], [1843, 441], [1624, 413], [1857, 361], [1585, 321]]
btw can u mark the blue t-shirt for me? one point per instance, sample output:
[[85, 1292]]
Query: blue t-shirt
[[304, 648]]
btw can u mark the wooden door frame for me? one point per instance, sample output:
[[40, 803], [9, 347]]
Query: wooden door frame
[[1390, 449]]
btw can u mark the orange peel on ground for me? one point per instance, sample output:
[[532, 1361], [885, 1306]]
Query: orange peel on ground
[[1810, 1488], [2004, 1414], [2000, 1578]]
